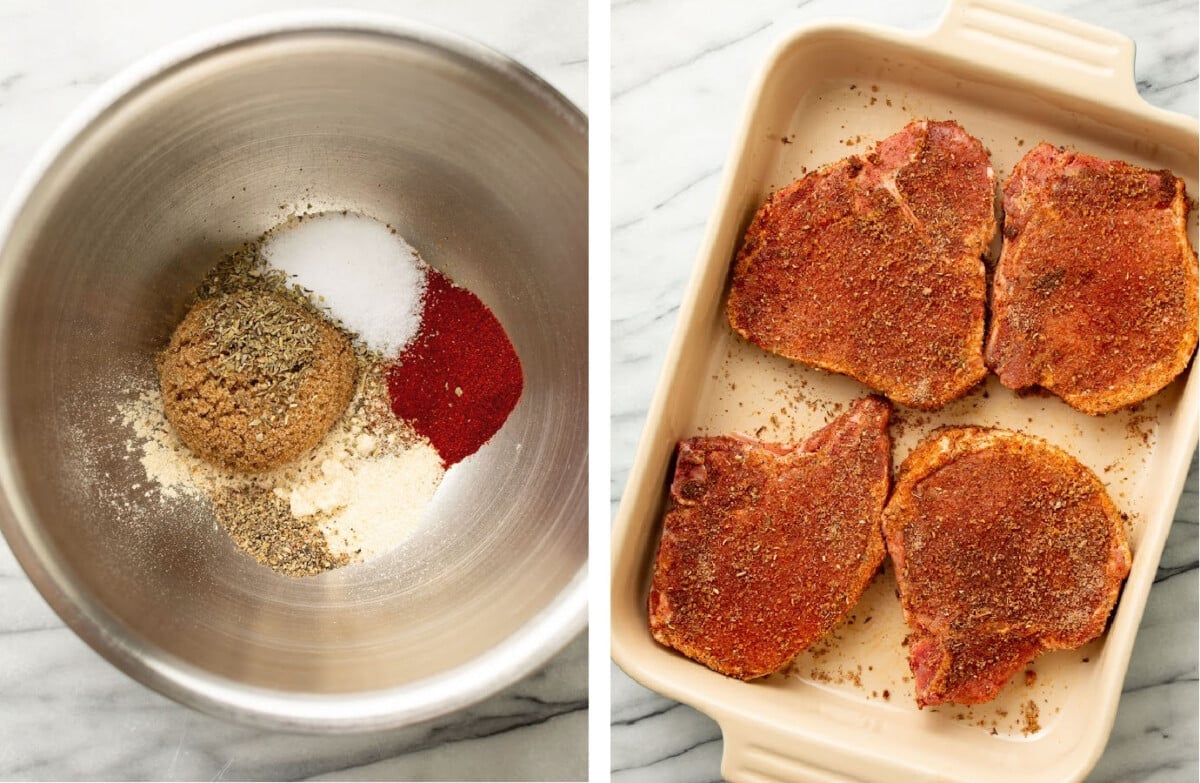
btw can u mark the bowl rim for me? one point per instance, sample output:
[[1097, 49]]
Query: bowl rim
[[524, 650]]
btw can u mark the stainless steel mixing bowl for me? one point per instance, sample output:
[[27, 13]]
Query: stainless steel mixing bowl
[[483, 168]]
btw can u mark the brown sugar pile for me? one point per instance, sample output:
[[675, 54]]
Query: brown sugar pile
[[252, 379]]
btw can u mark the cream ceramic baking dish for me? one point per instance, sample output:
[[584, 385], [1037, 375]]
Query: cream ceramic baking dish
[[1013, 77]]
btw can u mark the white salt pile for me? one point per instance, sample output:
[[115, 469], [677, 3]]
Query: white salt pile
[[362, 273]]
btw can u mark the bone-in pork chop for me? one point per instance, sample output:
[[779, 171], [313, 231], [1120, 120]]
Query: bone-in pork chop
[[871, 266], [1004, 546], [766, 548], [1094, 297]]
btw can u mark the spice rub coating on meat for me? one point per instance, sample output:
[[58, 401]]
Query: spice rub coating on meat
[[767, 547], [1094, 297], [871, 266], [1004, 546]]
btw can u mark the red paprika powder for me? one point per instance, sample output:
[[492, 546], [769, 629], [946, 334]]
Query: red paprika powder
[[460, 377]]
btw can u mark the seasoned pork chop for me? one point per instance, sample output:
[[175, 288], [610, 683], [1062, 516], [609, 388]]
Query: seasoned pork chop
[[1004, 546], [1094, 297], [871, 266], [768, 547]]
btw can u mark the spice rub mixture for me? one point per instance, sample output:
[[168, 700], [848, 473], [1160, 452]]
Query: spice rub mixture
[[270, 408]]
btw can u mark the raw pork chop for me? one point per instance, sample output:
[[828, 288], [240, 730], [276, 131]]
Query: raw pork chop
[[1095, 292], [768, 547], [871, 266], [1004, 546]]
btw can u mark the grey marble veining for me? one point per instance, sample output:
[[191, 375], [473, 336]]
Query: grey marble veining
[[65, 713], [676, 101]]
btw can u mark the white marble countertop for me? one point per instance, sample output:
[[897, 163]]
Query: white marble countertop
[[65, 713], [678, 96]]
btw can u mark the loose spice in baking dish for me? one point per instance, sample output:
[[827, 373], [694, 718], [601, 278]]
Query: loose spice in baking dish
[[459, 379]]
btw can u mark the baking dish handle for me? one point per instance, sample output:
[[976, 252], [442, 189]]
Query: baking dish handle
[[1040, 46], [756, 754]]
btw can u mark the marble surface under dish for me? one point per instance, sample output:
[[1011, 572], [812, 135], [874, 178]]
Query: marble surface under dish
[[676, 102], [65, 713]]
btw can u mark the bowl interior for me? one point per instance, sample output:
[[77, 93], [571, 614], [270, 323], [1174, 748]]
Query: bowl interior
[[477, 171]]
